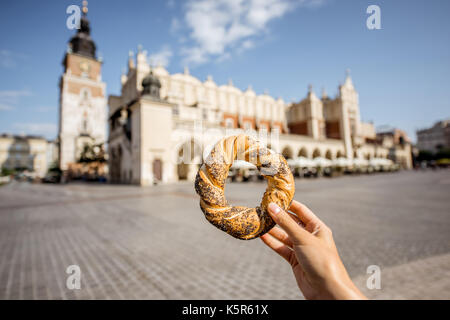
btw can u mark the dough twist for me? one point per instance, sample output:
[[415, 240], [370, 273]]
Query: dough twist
[[243, 222]]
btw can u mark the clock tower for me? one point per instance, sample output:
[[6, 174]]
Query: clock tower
[[82, 102]]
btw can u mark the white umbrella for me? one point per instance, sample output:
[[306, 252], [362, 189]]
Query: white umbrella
[[303, 162], [322, 162], [292, 163], [342, 162], [360, 162]]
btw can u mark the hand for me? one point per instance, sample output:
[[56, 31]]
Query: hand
[[308, 245]]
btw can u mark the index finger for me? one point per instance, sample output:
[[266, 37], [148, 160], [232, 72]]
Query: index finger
[[312, 223], [296, 233], [304, 213]]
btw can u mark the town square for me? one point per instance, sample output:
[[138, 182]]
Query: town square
[[240, 150]]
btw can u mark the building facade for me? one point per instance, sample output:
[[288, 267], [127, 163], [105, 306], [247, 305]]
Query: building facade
[[82, 102], [23, 153], [435, 138], [399, 146], [160, 116]]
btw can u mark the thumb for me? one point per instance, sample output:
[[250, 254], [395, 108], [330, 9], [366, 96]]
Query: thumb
[[296, 233]]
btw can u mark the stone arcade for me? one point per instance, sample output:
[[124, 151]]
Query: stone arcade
[[156, 115]]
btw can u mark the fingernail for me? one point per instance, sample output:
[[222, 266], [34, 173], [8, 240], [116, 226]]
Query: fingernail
[[274, 208]]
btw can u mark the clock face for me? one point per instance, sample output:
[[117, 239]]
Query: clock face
[[85, 67]]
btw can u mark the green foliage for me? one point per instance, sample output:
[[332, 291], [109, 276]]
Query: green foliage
[[425, 155], [7, 172], [443, 153], [54, 168], [92, 153]]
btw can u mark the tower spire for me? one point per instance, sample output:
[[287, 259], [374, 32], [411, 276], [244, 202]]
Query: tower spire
[[324, 93], [348, 78], [85, 8], [82, 43]]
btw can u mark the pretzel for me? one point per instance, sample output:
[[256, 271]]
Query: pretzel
[[243, 222]]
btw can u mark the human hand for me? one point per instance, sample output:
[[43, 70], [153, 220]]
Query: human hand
[[308, 245]]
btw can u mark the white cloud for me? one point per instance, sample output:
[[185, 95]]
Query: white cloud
[[46, 129], [13, 94], [246, 45], [174, 25], [5, 107], [9, 98], [45, 109], [8, 59], [171, 3], [218, 26], [161, 57]]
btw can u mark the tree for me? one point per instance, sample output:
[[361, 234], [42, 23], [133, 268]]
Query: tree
[[92, 153], [54, 168], [425, 155], [443, 153], [7, 172]]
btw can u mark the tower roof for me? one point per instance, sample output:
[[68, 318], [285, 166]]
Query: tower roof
[[82, 43], [151, 86]]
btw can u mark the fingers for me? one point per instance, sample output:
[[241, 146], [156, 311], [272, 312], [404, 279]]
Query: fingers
[[296, 219], [296, 233], [277, 246], [281, 235], [312, 223], [304, 213]]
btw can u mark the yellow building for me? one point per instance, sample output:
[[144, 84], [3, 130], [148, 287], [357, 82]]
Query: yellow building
[[24, 153], [156, 120]]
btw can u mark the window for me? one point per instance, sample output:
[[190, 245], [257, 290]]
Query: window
[[229, 123], [85, 94], [175, 110], [84, 125]]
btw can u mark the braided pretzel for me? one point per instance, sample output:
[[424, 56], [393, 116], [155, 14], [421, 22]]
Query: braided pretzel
[[242, 222]]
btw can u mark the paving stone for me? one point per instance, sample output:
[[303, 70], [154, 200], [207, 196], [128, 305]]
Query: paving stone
[[154, 243]]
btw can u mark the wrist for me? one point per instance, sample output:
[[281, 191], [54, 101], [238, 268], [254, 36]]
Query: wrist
[[344, 290]]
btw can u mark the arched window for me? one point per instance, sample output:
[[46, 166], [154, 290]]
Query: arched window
[[287, 153], [303, 153], [316, 153], [229, 123]]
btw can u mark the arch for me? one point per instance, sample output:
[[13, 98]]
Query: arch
[[339, 154], [316, 153], [287, 152], [329, 155], [85, 94], [189, 153], [368, 157], [157, 169], [303, 152]]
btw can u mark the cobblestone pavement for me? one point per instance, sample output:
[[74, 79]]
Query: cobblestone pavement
[[154, 243]]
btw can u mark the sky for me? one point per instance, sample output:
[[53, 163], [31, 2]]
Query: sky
[[401, 71]]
